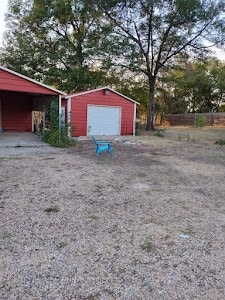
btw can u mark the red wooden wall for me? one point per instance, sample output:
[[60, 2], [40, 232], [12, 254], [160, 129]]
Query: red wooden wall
[[79, 110], [11, 82], [16, 110]]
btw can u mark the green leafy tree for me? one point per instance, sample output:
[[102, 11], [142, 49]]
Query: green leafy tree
[[146, 35], [56, 41], [199, 85]]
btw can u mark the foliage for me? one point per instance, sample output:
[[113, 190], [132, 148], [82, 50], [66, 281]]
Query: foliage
[[159, 132], [220, 142], [196, 86], [53, 208], [65, 39], [200, 121], [221, 108], [146, 35], [56, 139]]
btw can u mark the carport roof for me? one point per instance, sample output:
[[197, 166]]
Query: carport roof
[[33, 83]]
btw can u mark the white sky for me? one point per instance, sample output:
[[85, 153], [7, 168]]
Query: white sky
[[3, 10]]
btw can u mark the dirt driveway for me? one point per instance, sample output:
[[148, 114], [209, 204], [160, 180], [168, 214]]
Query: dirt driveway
[[146, 223]]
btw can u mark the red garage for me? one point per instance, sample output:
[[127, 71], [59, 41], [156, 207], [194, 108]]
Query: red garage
[[101, 111], [20, 97]]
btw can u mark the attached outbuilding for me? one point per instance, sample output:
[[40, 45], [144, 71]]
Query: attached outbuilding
[[22, 98], [102, 111]]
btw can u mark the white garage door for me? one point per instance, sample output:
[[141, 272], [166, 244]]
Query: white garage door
[[103, 120]]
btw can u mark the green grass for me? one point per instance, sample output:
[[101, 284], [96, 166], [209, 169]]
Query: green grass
[[51, 209]]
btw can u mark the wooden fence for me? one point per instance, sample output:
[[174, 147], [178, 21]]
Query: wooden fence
[[212, 119]]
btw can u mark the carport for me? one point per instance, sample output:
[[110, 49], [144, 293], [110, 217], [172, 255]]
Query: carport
[[24, 102]]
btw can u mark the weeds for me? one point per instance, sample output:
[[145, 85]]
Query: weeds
[[148, 246], [4, 234], [58, 139], [200, 121], [159, 132], [53, 208], [220, 142], [62, 245]]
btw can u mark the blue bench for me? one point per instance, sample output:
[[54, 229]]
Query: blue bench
[[102, 146]]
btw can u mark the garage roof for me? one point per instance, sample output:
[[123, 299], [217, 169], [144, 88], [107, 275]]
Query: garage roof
[[99, 89]]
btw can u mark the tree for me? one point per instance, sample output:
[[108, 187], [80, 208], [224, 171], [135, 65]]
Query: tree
[[55, 41], [146, 35], [199, 85]]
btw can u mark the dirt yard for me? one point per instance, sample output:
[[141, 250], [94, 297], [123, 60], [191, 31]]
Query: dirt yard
[[145, 223]]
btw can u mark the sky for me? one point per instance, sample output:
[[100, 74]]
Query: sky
[[3, 9]]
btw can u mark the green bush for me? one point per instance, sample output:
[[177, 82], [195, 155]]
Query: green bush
[[56, 139], [200, 121], [220, 142], [159, 132]]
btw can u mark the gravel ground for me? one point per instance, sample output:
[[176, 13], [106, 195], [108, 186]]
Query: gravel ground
[[145, 223]]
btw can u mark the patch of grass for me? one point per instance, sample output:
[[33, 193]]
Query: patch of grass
[[4, 235], [62, 245], [93, 217], [56, 139], [189, 230], [159, 132], [148, 245], [200, 121], [220, 142], [54, 208]]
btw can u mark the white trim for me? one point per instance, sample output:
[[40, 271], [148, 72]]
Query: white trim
[[134, 124], [32, 80], [111, 106], [99, 89]]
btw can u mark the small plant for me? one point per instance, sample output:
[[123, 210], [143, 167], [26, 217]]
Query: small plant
[[200, 121], [56, 139], [53, 208], [159, 132], [62, 245], [148, 245], [4, 234], [220, 142]]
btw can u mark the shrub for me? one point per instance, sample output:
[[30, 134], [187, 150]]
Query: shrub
[[56, 139], [159, 132], [200, 121], [220, 142]]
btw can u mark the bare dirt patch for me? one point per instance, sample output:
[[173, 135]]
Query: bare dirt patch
[[145, 223]]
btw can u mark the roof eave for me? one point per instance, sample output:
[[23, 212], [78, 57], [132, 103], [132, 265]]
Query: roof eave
[[32, 80], [99, 89]]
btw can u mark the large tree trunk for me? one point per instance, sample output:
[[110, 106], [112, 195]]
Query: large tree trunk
[[151, 105]]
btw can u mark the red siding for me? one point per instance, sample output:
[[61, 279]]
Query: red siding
[[16, 112], [79, 110], [11, 82]]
